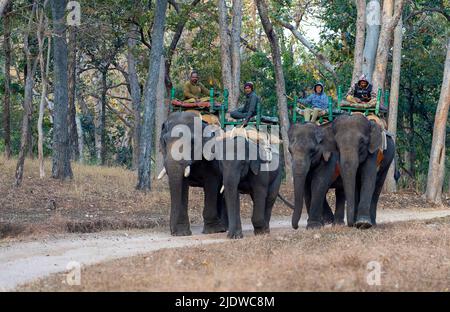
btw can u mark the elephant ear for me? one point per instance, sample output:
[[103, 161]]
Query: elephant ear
[[255, 166], [375, 137]]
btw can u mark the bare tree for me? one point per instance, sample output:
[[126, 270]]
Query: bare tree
[[436, 169], [229, 49], [42, 27], [391, 17], [280, 83], [61, 168], [7, 94], [72, 74], [373, 24], [3, 6], [390, 185], [135, 91], [31, 62], [359, 41], [146, 140]]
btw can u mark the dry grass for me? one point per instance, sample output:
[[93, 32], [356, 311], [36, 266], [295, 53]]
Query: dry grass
[[414, 256], [98, 198]]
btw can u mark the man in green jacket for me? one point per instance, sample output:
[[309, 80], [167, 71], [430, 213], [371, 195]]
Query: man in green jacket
[[248, 110], [194, 91]]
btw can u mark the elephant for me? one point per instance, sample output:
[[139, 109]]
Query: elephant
[[359, 141], [314, 161], [243, 174], [183, 173]]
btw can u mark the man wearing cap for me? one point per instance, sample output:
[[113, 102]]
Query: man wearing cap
[[248, 110]]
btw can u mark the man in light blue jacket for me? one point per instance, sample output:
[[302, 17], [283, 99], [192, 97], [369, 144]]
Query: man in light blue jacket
[[317, 102]]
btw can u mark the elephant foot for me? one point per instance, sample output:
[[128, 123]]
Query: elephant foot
[[261, 231], [235, 235], [338, 223], [213, 228], [363, 223], [182, 231], [314, 225]]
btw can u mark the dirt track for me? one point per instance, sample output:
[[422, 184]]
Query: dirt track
[[26, 261]]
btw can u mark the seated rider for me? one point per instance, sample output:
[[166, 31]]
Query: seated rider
[[318, 102], [248, 110], [194, 91], [361, 93]]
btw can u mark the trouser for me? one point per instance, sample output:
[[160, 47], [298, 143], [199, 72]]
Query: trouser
[[351, 100], [237, 114], [192, 100], [311, 114]]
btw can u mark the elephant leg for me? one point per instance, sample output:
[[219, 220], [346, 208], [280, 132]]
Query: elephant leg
[[270, 201], [179, 196], [320, 184], [212, 223], [307, 196], [340, 206], [368, 178], [259, 197]]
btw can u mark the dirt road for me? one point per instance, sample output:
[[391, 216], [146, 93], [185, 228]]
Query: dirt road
[[25, 261]]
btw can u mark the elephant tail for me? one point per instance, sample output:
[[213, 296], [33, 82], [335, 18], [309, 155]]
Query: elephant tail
[[286, 202]]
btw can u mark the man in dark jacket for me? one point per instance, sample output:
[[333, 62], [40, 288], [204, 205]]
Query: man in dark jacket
[[361, 93], [248, 110]]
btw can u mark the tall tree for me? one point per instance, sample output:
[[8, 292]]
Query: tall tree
[[436, 169], [359, 41], [7, 94], [135, 91], [280, 83], [390, 185], [230, 49], [31, 62], [72, 75], [44, 67], [391, 17], [161, 115], [61, 168], [3, 6], [373, 24], [144, 181]]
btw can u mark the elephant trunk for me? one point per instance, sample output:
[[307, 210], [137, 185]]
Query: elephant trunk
[[299, 185], [348, 173]]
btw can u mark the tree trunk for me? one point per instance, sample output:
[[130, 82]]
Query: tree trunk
[[61, 168], [359, 41], [3, 6], [373, 23], [236, 26], [80, 139], [390, 20], [135, 92], [161, 116], [225, 44], [28, 100], [280, 83], [390, 185], [98, 130], [73, 135], [146, 140], [44, 66], [7, 94], [103, 119], [436, 169]]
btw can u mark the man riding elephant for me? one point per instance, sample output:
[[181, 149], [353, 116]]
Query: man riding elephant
[[318, 104], [248, 110], [194, 91]]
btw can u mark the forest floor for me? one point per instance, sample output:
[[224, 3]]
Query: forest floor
[[104, 198], [37, 240]]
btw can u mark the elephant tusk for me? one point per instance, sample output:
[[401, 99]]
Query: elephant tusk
[[162, 173], [187, 171], [222, 189]]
